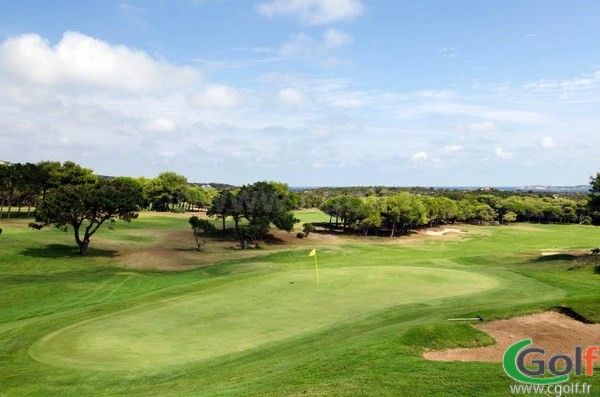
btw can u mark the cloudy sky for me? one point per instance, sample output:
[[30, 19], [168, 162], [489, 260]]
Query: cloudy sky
[[310, 92]]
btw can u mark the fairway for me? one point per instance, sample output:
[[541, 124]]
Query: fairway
[[254, 322], [244, 314]]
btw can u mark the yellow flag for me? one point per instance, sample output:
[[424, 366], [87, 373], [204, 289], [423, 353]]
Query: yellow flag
[[314, 253]]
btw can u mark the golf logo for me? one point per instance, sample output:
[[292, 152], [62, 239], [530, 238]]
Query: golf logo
[[520, 364]]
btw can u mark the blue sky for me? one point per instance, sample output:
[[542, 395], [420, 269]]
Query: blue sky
[[310, 92]]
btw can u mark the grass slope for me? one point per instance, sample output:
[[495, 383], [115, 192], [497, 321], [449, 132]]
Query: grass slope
[[73, 326], [222, 318]]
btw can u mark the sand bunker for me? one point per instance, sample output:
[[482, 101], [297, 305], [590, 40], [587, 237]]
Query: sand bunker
[[555, 332], [550, 253], [442, 232]]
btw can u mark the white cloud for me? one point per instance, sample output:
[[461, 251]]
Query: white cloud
[[291, 97], [343, 100], [451, 149], [315, 12], [305, 46], [478, 126], [583, 82], [23, 94], [78, 60], [433, 94], [167, 154], [472, 111], [217, 96], [347, 127], [333, 126], [160, 125], [336, 38], [483, 126], [299, 44], [502, 154], [548, 142], [447, 52], [419, 156]]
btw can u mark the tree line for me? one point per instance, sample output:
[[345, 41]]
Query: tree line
[[68, 195], [314, 197], [24, 186], [403, 211]]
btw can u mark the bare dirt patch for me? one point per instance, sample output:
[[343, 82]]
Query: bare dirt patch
[[175, 250], [161, 260], [555, 332]]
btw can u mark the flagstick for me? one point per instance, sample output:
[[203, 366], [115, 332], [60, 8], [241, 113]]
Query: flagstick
[[316, 267]]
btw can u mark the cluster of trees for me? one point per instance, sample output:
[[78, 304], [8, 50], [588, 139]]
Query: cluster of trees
[[404, 211], [67, 195], [26, 185], [594, 200], [260, 205], [172, 192]]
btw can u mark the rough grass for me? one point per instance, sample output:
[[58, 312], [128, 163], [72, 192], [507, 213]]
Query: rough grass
[[444, 336], [358, 336]]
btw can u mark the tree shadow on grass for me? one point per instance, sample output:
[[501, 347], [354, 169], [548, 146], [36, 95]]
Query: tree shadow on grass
[[271, 239], [74, 276], [553, 258], [328, 228], [191, 249], [65, 251]]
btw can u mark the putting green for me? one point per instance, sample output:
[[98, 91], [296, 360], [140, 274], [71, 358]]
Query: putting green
[[245, 313]]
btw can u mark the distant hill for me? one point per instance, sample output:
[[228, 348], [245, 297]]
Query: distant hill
[[209, 185], [543, 188], [531, 188], [214, 185]]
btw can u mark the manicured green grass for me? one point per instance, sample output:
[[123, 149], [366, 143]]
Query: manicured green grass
[[311, 216], [245, 313], [262, 326]]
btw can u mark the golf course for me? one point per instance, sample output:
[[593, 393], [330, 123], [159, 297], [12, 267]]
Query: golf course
[[145, 313]]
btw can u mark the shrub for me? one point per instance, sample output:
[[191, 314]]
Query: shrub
[[585, 262], [300, 235], [307, 228]]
